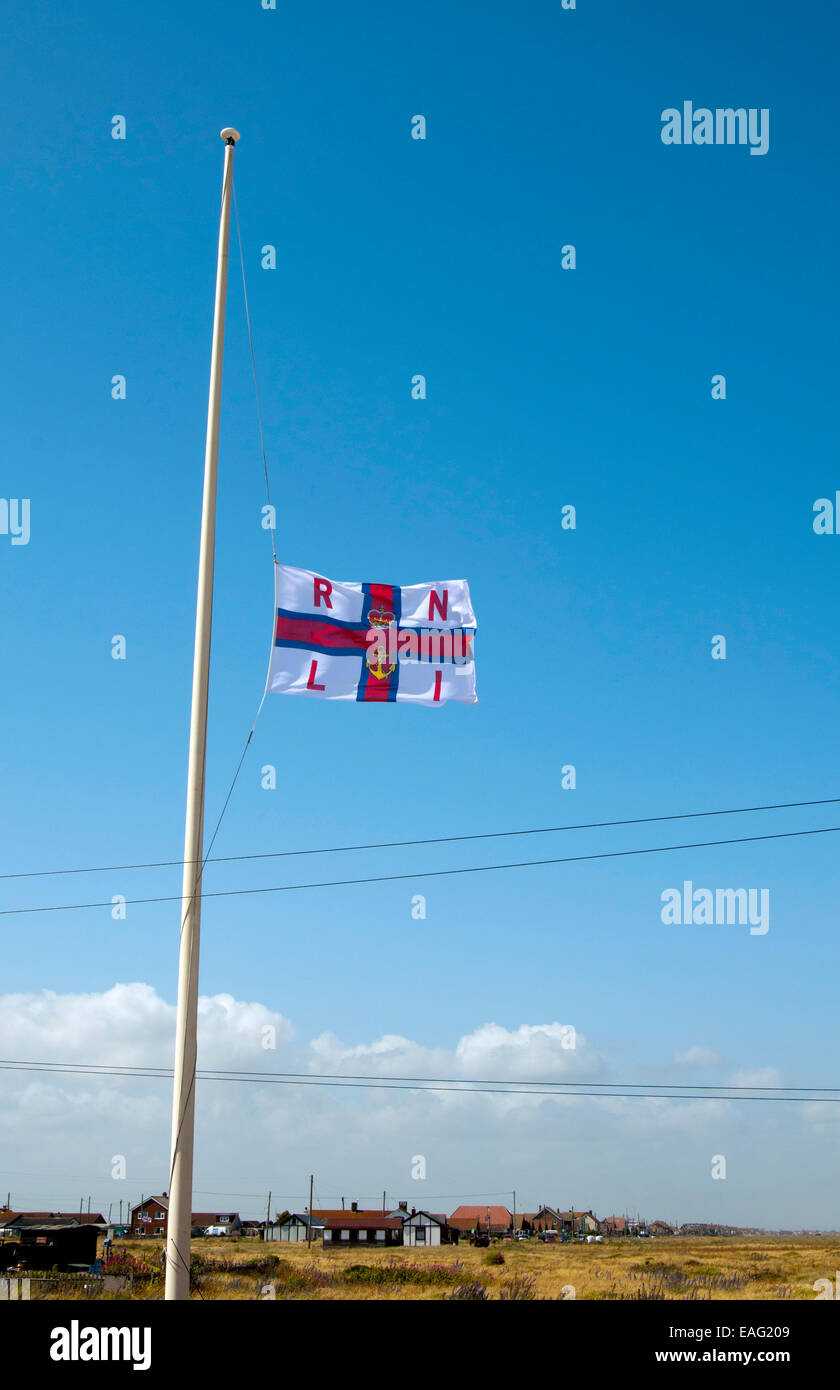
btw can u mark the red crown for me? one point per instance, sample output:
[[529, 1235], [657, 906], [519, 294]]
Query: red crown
[[380, 617]]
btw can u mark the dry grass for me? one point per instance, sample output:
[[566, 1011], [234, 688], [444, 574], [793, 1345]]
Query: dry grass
[[769, 1267]]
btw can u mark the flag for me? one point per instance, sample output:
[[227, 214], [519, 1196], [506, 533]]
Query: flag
[[372, 642]]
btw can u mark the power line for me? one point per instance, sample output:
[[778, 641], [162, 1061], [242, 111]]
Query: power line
[[435, 840], [436, 873], [220, 1073], [571, 1089]]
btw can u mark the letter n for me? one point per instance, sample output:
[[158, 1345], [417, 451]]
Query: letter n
[[435, 603]]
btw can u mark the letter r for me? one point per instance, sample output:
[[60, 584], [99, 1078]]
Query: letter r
[[323, 589]]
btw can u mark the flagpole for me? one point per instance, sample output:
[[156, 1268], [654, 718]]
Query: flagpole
[[183, 1099]]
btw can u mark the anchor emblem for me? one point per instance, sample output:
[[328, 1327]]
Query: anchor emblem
[[379, 617]]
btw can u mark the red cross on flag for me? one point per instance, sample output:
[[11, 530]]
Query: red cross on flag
[[372, 642]]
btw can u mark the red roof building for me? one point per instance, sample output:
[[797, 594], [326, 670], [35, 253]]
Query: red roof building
[[471, 1219], [362, 1228]]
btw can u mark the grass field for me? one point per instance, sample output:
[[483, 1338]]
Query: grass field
[[768, 1267]]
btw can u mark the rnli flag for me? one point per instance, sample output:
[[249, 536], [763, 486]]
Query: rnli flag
[[372, 642]]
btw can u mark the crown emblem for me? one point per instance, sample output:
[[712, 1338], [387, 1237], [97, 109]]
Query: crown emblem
[[379, 617]]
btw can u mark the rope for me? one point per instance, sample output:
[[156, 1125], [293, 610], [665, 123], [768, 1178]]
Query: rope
[[254, 373]]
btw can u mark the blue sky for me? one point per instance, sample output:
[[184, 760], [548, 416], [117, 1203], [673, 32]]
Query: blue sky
[[546, 387]]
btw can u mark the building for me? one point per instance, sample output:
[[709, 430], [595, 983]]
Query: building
[[578, 1223], [228, 1221], [362, 1228], [66, 1246], [151, 1216], [469, 1220], [546, 1219], [428, 1228], [294, 1226], [660, 1228], [11, 1221]]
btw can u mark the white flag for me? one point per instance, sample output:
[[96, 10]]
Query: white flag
[[372, 642]]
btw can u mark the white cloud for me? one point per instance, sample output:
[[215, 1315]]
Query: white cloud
[[698, 1057], [59, 1133], [756, 1076]]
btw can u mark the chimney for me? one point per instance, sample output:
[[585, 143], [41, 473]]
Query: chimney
[[403, 1206], [413, 1211], [354, 1206]]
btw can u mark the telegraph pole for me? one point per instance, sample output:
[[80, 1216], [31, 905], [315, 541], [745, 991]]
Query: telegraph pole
[[309, 1213]]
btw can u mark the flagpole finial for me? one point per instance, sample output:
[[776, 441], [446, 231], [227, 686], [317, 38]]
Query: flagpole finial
[[229, 135]]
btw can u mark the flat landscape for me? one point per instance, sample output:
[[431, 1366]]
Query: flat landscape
[[703, 1267]]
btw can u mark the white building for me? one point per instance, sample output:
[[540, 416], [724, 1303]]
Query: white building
[[294, 1228], [423, 1228]]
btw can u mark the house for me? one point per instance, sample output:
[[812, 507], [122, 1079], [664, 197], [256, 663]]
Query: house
[[252, 1228], [151, 1216], [660, 1228], [523, 1222], [294, 1227], [578, 1223], [616, 1226], [66, 1246], [362, 1227], [467, 1220], [11, 1221], [546, 1219], [427, 1228], [224, 1220]]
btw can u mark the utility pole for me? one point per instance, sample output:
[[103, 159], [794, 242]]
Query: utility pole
[[384, 1195], [186, 1022], [309, 1213], [514, 1211], [268, 1215]]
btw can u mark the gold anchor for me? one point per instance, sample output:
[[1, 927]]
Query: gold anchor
[[380, 618]]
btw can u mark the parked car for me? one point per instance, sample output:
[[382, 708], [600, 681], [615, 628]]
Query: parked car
[[216, 1231]]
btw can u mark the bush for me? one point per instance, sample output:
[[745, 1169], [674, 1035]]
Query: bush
[[473, 1292], [521, 1286], [493, 1257], [402, 1272], [120, 1262]]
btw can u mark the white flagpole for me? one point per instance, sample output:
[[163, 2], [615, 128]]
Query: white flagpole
[[183, 1099]]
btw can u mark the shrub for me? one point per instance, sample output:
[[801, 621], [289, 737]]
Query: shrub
[[475, 1291], [521, 1286], [120, 1262], [402, 1272], [493, 1257]]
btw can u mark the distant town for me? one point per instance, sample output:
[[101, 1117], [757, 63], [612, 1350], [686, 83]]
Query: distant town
[[64, 1238]]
